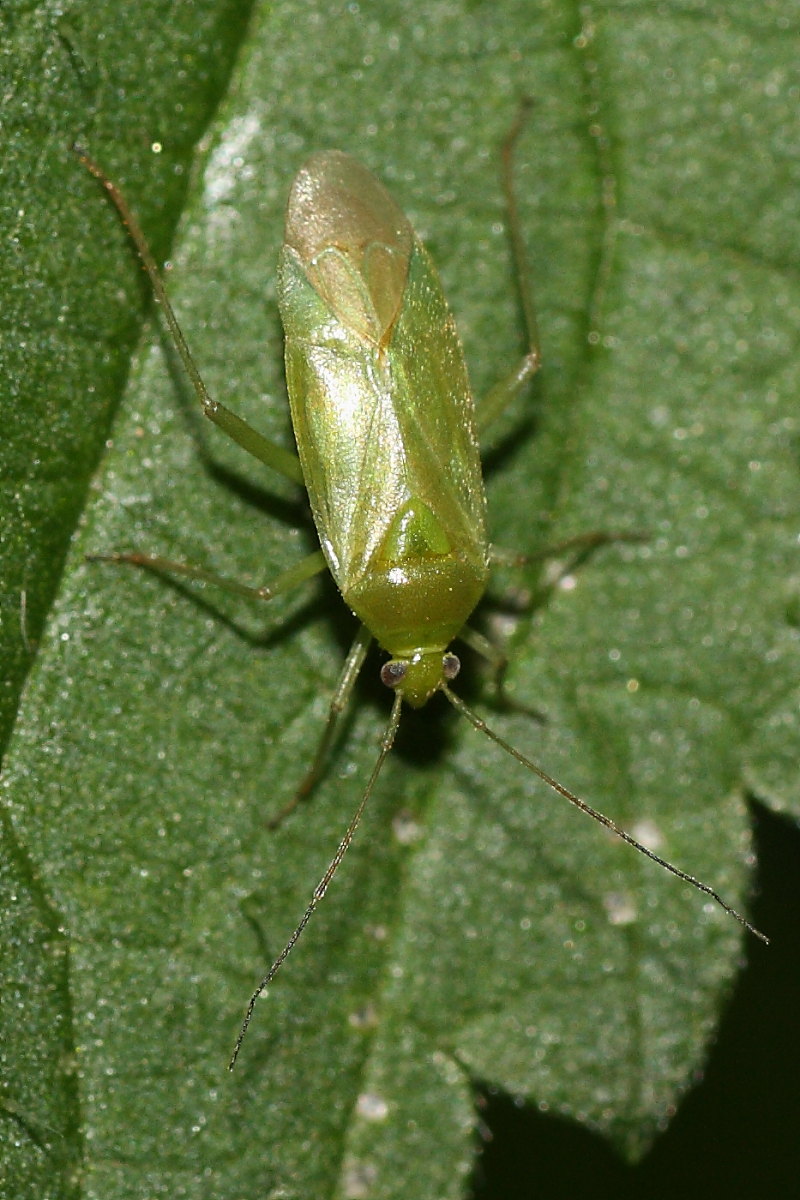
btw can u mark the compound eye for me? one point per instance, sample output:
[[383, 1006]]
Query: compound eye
[[451, 665], [394, 672]]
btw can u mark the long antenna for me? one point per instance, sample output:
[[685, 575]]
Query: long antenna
[[482, 727], [319, 891]]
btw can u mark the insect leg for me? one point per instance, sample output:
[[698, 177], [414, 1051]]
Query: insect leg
[[266, 451], [504, 392], [577, 548], [498, 662], [501, 396], [339, 702], [495, 657], [309, 566]]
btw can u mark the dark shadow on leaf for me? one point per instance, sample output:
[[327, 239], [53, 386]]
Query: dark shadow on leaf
[[735, 1134]]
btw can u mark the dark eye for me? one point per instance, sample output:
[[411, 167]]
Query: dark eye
[[394, 672], [451, 665]]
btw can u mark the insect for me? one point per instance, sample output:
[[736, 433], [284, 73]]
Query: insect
[[387, 438]]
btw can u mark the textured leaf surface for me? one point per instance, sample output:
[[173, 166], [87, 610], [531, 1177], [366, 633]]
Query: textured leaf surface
[[480, 931]]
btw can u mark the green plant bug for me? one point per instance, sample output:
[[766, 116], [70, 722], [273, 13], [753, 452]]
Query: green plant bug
[[387, 438]]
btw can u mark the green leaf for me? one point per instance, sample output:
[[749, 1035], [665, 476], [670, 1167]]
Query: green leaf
[[480, 929]]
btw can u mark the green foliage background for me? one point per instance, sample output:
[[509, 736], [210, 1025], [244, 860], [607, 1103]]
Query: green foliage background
[[508, 946]]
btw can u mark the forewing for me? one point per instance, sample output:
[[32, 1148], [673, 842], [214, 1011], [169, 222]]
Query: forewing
[[380, 399]]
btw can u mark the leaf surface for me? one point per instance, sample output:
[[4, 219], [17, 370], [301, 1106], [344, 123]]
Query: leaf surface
[[480, 930]]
